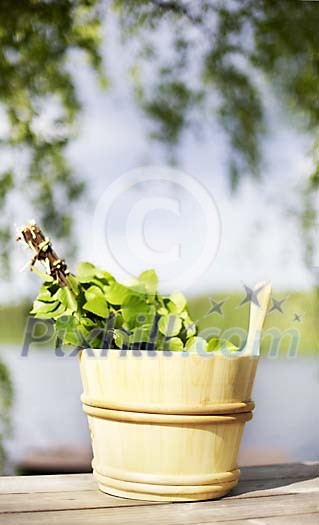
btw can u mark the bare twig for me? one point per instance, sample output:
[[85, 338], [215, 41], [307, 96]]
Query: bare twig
[[44, 252]]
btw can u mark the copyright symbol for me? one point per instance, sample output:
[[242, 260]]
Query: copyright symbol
[[157, 217]]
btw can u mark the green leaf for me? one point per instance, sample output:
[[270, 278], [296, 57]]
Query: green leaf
[[170, 325], [175, 344], [71, 300], [45, 295], [83, 279], [215, 344], [121, 338], [86, 269], [117, 293], [140, 334], [177, 302], [44, 276], [93, 292], [49, 310], [58, 312], [86, 272], [73, 284], [68, 331], [162, 311], [135, 285], [196, 344], [40, 307], [96, 302], [150, 281], [101, 283], [66, 297], [87, 323], [133, 308], [97, 306]]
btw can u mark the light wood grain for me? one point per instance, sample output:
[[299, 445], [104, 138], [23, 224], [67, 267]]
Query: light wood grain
[[299, 519], [168, 460], [273, 494], [179, 514], [78, 482], [254, 489], [82, 499], [173, 384], [44, 501], [258, 311], [52, 483], [298, 471], [166, 419], [178, 447]]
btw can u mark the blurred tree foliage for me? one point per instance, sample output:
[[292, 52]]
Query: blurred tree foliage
[[38, 105], [190, 62], [221, 58], [36, 41]]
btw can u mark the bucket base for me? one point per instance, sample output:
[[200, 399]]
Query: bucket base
[[168, 493]]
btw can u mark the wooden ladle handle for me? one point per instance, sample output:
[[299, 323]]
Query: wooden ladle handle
[[258, 311]]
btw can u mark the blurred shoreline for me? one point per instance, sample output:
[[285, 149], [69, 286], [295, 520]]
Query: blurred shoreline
[[13, 319]]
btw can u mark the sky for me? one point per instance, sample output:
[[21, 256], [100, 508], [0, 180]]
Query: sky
[[259, 238], [197, 234]]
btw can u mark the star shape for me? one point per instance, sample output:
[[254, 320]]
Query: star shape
[[215, 307], [297, 317], [277, 305], [192, 326], [251, 295]]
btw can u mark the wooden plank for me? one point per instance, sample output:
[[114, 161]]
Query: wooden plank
[[269, 494], [179, 514], [56, 483], [299, 519], [46, 501], [269, 487], [300, 471], [73, 482], [86, 499]]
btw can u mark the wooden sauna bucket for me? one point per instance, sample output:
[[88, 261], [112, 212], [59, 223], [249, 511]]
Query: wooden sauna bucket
[[166, 427]]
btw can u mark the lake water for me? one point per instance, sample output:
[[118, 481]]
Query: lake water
[[47, 410]]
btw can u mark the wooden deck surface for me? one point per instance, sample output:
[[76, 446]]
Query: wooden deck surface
[[272, 494]]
